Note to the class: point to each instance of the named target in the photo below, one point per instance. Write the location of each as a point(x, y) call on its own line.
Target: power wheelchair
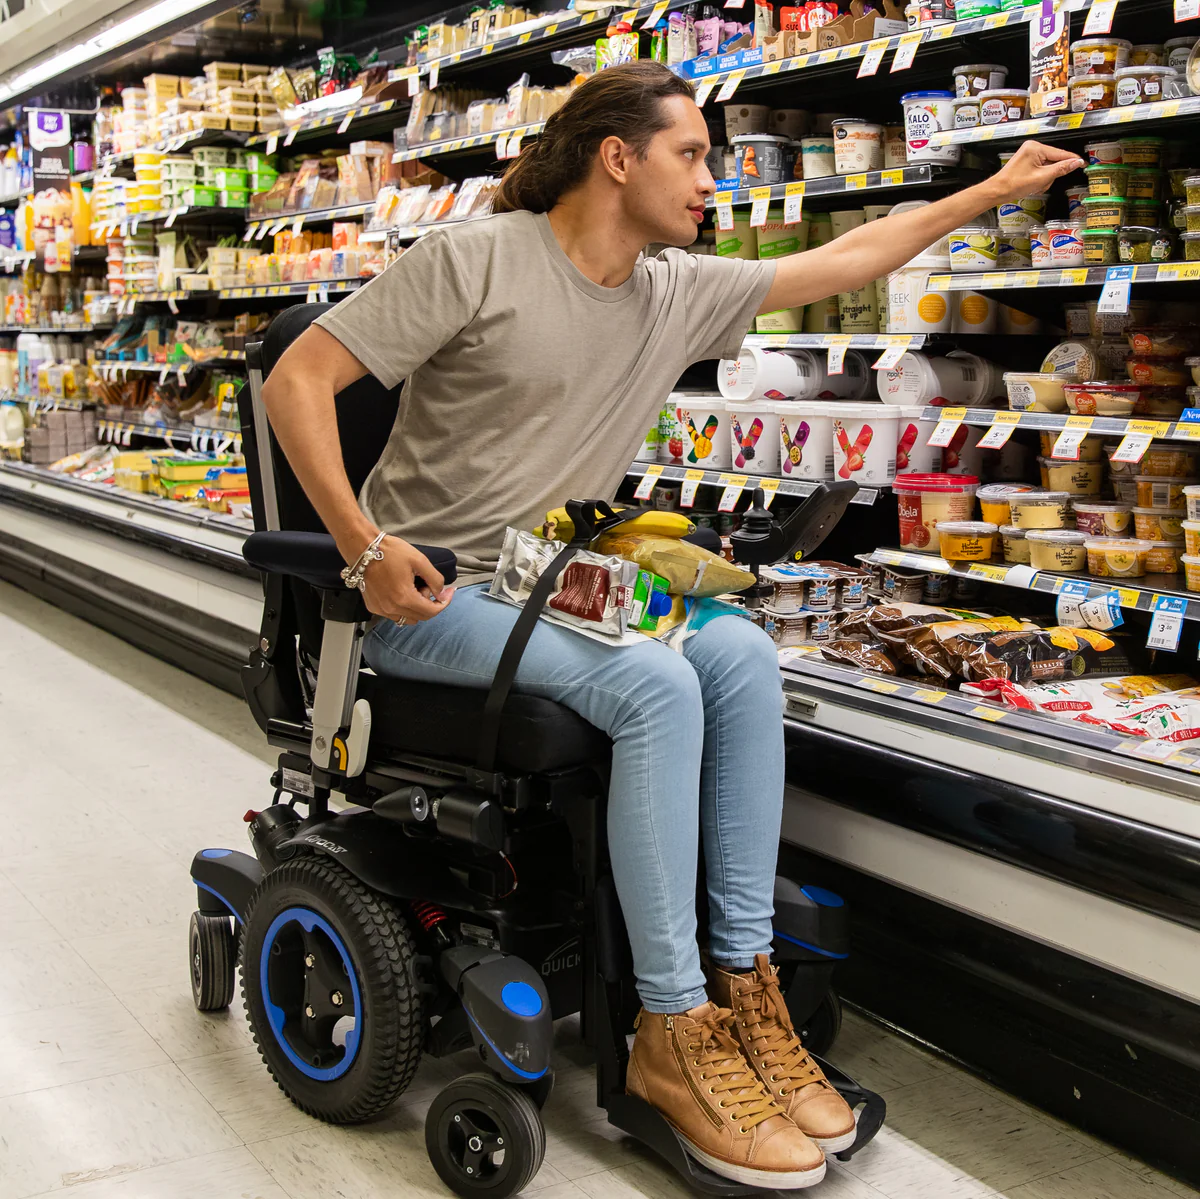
point(463, 899)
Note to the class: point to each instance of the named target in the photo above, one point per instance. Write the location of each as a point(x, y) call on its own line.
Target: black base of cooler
point(1114, 1057)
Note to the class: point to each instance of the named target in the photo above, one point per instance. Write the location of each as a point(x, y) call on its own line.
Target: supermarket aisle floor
point(112, 1087)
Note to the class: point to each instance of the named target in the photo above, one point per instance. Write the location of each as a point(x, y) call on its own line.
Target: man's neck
point(595, 241)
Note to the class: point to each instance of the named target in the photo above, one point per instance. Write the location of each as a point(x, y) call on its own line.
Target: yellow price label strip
point(1070, 120)
point(992, 714)
point(1152, 428)
point(1074, 276)
point(929, 697)
point(855, 182)
point(982, 570)
point(1187, 431)
point(995, 279)
point(958, 414)
point(881, 685)
point(1128, 597)
point(891, 178)
point(1079, 422)
point(1178, 270)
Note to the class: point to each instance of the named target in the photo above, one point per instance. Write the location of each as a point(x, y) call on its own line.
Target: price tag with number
point(514, 146)
point(1138, 435)
point(906, 51)
point(839, 343)
point(656, 14)
point(733, 489)
point(890, 358)
point(687, 493)
point(346, 121)
point(770, 488)
point(724, 206)
point(1070, 600)
point(414, 83)
point(297, 226)
point(793, 203)
point(730, 86)
point(435, 69)
point(1102, 612)
point(1186, 10)
point(1003, 424)
point(1067, 443)
point(872, 59)
point(175, 212)
point(502, 147)
point(947, 426)
point(646, 486)
point(1115, 295)
point(290, 136)
point(1167, 623)
point(704, 91)
point(272, 143)
point(1099, 18)
point(761, 198)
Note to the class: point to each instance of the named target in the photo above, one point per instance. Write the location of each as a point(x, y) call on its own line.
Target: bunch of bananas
point(558, 525)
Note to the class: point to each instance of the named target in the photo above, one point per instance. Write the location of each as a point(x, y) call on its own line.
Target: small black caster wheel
point(212, 961)
point(484, 1137)
point(822, 1027)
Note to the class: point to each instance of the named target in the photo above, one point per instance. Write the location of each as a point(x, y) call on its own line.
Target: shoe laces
point(771, 1033)
point(724, 1066)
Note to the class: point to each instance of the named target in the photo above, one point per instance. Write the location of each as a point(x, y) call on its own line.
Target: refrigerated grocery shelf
point(276, 222)
point(1118, 426)
point(168, 217)
point(453, 145)
point(1134, 594)
point(197, 137)
point(261, 291)
point(824, 341)
point(70, 330)
point(1080, 276)
point(189, 436)
point(724, 479)
point(837, 185)
point(344, 119)
point(107, 368)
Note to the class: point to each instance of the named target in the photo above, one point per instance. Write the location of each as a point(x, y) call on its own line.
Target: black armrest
point(314, 557)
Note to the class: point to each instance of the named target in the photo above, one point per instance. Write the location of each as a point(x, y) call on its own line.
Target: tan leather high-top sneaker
point(765, 1032)
point(692, 1070)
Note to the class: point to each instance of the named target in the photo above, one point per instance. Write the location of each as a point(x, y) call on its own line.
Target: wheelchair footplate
point(874, 1107)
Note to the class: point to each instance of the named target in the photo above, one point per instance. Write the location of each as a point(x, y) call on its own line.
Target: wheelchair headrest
point(284, 330)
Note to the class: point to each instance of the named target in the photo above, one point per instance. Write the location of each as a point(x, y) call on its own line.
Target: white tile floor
point(116, 769)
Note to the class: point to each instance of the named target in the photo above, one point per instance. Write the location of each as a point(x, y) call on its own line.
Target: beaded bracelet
point(354, 576)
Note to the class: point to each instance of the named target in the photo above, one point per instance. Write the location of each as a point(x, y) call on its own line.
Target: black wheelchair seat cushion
point(437, 720)
point(314, 557)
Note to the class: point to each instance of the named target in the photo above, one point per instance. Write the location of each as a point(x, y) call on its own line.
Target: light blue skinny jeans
point(697, 744)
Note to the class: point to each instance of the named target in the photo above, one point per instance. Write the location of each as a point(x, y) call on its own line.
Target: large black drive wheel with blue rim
point(327, 976)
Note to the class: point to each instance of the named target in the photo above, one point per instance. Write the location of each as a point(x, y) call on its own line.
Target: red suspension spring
point(428, 914)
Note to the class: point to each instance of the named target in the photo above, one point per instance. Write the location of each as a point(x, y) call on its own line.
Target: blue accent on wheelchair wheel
point(806, 945)
point(215, 853)
point(276, 1017)
point(528, 1075)
point(206, 887)
point(521, 999)
point(827, 899)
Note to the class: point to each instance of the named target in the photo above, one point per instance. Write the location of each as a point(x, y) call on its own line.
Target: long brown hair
point(618, 102)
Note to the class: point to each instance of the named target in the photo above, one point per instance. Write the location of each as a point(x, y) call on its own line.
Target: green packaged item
point(1141, 246)
point(234, 198)
point(1099, 247)
point(260, 163)
point(262, 182)
point(200, 197)
point(1145, 214)
point(650, 601)
point(230, 178)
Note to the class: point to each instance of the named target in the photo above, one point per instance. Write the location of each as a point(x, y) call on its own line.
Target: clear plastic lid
point(1002, 491)
point(1054, 499)
point(1013, 531)
point(1143, 72)
point(967, 528)
point(1059, 536)
point(1084, 505)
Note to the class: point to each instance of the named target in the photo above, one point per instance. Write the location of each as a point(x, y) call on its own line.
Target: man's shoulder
point(482, 235)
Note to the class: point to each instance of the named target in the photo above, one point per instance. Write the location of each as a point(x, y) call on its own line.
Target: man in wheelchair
point(534, 347)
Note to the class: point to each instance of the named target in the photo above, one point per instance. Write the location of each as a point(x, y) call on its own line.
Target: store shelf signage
point(1003, 424)
point(1166, 623)
point(50, 141)
point(687, 491)
point(945, 429)
point(646, 486)
point(1100, 17)
point(1115, 295)
point(793, 201)
point(1186, 10)
point(1066, 446)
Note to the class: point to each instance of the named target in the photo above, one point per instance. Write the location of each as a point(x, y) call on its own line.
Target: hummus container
point(1143, 183)
point(1191, 571)
point(1101, 247)
point(966, 112)
point(1042, 510)
point(1165, 461)
point(924, 501)
point(1125, 489)
point(857, 146)
point(1090, 93)
point(1161, 492)
point(1177, 180)
point(1193, 365)
point(1142, 151)
point(1191, 247)
point(1036, 391)
point(1057, 549)
point(1101, 399)
point(1107, 180)
point(1158, 372)
point(1103, 212)
point(1164, 341)
point(973, 79)
point(1016, 547)
point(995, 500)
point(1016, 216)
point(1163, 557)
point(1100, 518)
point(1141, 85)
point(1111, 558)
point(999, 106)
point(973, 248)
point(1099, 55)
point(1140, 245)
point(1065, 239)
point(1104, 152)
point(1078, 478)
point(1091, 449)
point(1039, 252)
point(1159, 524)
point(1191, 536)
point(1014, 252)
point(966, 540)
point(1166, 402)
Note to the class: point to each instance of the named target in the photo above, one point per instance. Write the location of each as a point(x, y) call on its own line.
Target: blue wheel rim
point(306, 928)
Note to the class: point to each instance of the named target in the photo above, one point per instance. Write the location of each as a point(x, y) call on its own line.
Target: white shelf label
point(1100, 17)
point(502, 147)
point(1132, 448)
point(1070, 600)
point(890, 358)
point(705, 90)
point(733, 489)
point(761, 199)
point(1067, 444)
point(945, 429)
point(414, 84)
point(1115, 295)
point(435, 69)
point(1103, 612)
point(1186, 10)
point(872, 59)
point(1003, 426)
point(290, 136)
point(793, 203)
point(1166, 624)
point(646, 486)
point(514, 146)
point(687, 492)
point(906, 51)
point(272, 143)
point(724, 206)
point(730, 86)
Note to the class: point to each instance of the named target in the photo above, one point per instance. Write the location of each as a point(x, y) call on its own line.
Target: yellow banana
point(558, 525)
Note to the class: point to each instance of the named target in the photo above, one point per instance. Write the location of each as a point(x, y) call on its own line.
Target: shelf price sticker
point(349, 117)
point(646, 486)
point(770, 489)
point(1100, 17)
point(1075, 276)
point(855, 182)
point(514, 146)
point(992, 714)
point(723, 202)
point(704, 91)
point(1067, 444)
point(947, 426)
point(656, 14)
point(687, 493)
point(1138, 435)
point(985, 570)
point(1186, 10)
point(906, 51)
point(892, 178)
point(793, 203)
point(733, 485)
point(1115, 295)
point(502, 146)
point(1070, 601)
point(760, 198)
point(890, 358)
point(1166, 623)
point(873, 59)
point(839, 343)
point(1069, 120)
point(730, 86)
point(1003, 424)
point(435, 71)
point(1175, 271)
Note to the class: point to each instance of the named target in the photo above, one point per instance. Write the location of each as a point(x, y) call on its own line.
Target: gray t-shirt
point(526, 384)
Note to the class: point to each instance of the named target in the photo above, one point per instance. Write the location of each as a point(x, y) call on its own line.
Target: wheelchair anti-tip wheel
point(212, 961)
point(484, 1137)
point(327, 975)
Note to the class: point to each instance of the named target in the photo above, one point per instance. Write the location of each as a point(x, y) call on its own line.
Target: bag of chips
point(689, 569)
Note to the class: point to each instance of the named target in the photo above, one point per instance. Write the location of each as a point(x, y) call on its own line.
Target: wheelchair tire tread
point(397, 1029)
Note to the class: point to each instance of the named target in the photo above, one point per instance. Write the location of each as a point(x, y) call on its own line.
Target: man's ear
point(614, 156)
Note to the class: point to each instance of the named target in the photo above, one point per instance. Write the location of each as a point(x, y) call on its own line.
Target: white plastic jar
point(817, 156)
point(927, 113)
point(912, 307)
point(757, 374)
point(753, 445)
point(857, 146)
point(973, 248)
point(913, 451)
point(864, 444)
point(705, 432)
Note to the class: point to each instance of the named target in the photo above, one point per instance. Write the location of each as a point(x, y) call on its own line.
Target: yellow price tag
point(793, 189)
point(1074, 276)
point(881, 685)
point(1122, 116)
point(843, 340)
point(724, 198)
point(1079, 422)
point(1006, 418)
point(1070, 120)
point(1186, 431)
point(1178, 270)
point(760, 193)
point(855, 182)
point(982, 570)
point(891, 178)
point(550, 31)
point(776, 339)
point(524, 37)
point(1128, 597)
point(1152, 428)
point(694, 475)
point(995, 20)
point(995, 279)
point(773, 67)
point(1170, 109)
point(958, 414)
point(929, 697)
point(488, 48)
point(992, 714)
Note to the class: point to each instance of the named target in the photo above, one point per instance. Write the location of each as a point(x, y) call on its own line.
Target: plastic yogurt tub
point(864, 443)
point(1141, 85)
point(927, 113)
point(1155, 491)
point(958, 379)
point(805, 436)
point(1039, 249)
point(1036, 391)
point(1117, 558)
point(1042, 510)
point(1057, 549)
point(912, 307)
point(705, 425)
point(1079, 478)
point(966, 112)
point(1016, 216)
point(1014, 252)
point(966, 540)
point(1159, 524)
point(1000, 105)
point(1191, 536)
point(1191, 495)
point(817, 156)
point(973, 248)
point(741, 119)
point(1065, 243)
point(759, 158)
point(1106, 152)
point(857, 146)
point(913, 451)
point(788, 375)
point(925, 500)
point(754, 448)
point(1099, 55)
point(1103, 518)
point(995, 500)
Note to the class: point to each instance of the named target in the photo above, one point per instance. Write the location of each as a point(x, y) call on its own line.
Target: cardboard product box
point(779, 46)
